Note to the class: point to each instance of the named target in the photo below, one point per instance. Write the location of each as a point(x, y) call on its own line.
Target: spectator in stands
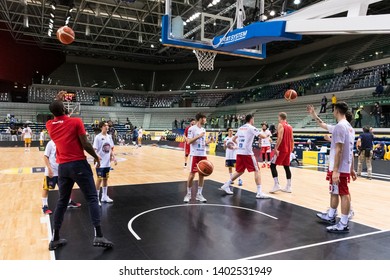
point(311, 146)
point(358, 117)
point(379, 151)
point(112, 131)
point(135, 136)
point(324, 102)
point(176, 124)
point(384, 77)
point(378, 90)
point(334, 101)
point(377, 112)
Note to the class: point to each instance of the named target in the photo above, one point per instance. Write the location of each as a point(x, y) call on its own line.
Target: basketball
point(65, 35)
point(205, 167)
point(290, 95)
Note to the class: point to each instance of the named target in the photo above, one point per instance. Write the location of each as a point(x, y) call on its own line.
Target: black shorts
point(230, 163)
point(103, 172)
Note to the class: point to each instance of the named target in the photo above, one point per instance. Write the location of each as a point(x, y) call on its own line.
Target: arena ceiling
point(120, 30)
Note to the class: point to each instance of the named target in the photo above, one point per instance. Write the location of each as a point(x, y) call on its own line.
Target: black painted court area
point(226, 227)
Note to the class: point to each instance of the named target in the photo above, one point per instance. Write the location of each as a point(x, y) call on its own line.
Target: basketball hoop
point(73, 108)
point(205, 60)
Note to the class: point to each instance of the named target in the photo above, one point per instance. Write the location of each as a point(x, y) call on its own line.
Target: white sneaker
point(200, 198)
point(187, 198)
point(107, 199)
point(226, 188)
point(287, 189)
point(100, 204)
point(276, 188)
point(338, 228)
point(325, 217)
point(261, 195)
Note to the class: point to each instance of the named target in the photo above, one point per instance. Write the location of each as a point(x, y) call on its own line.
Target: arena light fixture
point(53, 5)
point(297, 2)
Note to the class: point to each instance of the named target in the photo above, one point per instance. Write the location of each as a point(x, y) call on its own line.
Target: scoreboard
point(70, 97)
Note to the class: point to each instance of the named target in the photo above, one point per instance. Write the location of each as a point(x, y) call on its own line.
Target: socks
point(276, 180)
point(231, 175)
point(44, 201)
point(344, 219)
point(188, 190)
point(258, 188)
point(98, 231)
point(104, 192)
point(200, 189)
point(331, 212)
point(288, 182)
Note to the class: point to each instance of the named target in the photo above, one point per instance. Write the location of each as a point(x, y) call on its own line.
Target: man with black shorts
point(186, 145)
point(197, 141)
point(104, 147)
point(245, 157)
point(70, 138)
point(282, 153)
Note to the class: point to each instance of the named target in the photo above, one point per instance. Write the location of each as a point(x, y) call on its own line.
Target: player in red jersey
point(70, 138)
point(186, 145)
point(283, 149)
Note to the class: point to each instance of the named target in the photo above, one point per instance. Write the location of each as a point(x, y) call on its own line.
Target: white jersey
point(50, 152)
point(198, 147)
point(41, 136)
point(103, 145)
point(246, 134)
point(27, 132)
point(230, 153)
point(140, 133)
point(265, 142)
point(345, 134)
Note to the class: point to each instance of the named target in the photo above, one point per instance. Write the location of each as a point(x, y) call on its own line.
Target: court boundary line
point(129, 225)
point(46, 219)
point(313, 245)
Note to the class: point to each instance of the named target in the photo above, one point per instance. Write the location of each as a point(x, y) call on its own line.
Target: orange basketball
point(205, 167)
point(290, 94)
point(65, 35)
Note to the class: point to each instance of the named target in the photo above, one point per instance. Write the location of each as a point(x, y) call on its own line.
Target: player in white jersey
point(341, 167)
point(230, 153)
point(197, 140)
point(27, 135)
point(104, 147)
point(265, 144)
point(245, 156)
point(51, 177)
point(140, 132)
point(41, 137)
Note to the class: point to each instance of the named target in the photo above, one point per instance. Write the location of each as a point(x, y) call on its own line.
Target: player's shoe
point(287, 189)
point(261, 195)
point(325, 217)
point(226, 188)
point(263, 165)
point(46, 210)
point(275, 188)
point(73, 204)
point(338, 228)
point(107, 199)
point(268, 165)
point(200, 198)
point(53, 245)
point(240, 182)
point(102, 242)
point(187, 198)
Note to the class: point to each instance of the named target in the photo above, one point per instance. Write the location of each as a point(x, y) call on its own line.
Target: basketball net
point(205, 60)
point(73, 108)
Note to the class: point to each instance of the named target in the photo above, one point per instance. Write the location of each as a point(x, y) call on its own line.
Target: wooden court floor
point(23, 228)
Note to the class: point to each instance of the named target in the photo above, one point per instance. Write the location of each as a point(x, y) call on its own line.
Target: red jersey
point(186, 131)
point(285, 145)
point(65, 131)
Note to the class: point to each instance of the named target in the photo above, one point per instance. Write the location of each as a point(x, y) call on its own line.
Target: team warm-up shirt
point(345, 134)
point(103, 145)
point(285, 144)
point(198, 147)
point(245, 136)
point(50, 152)
point(27, 132)
point(65, 131)
point(265, 142)
point(230, 153)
